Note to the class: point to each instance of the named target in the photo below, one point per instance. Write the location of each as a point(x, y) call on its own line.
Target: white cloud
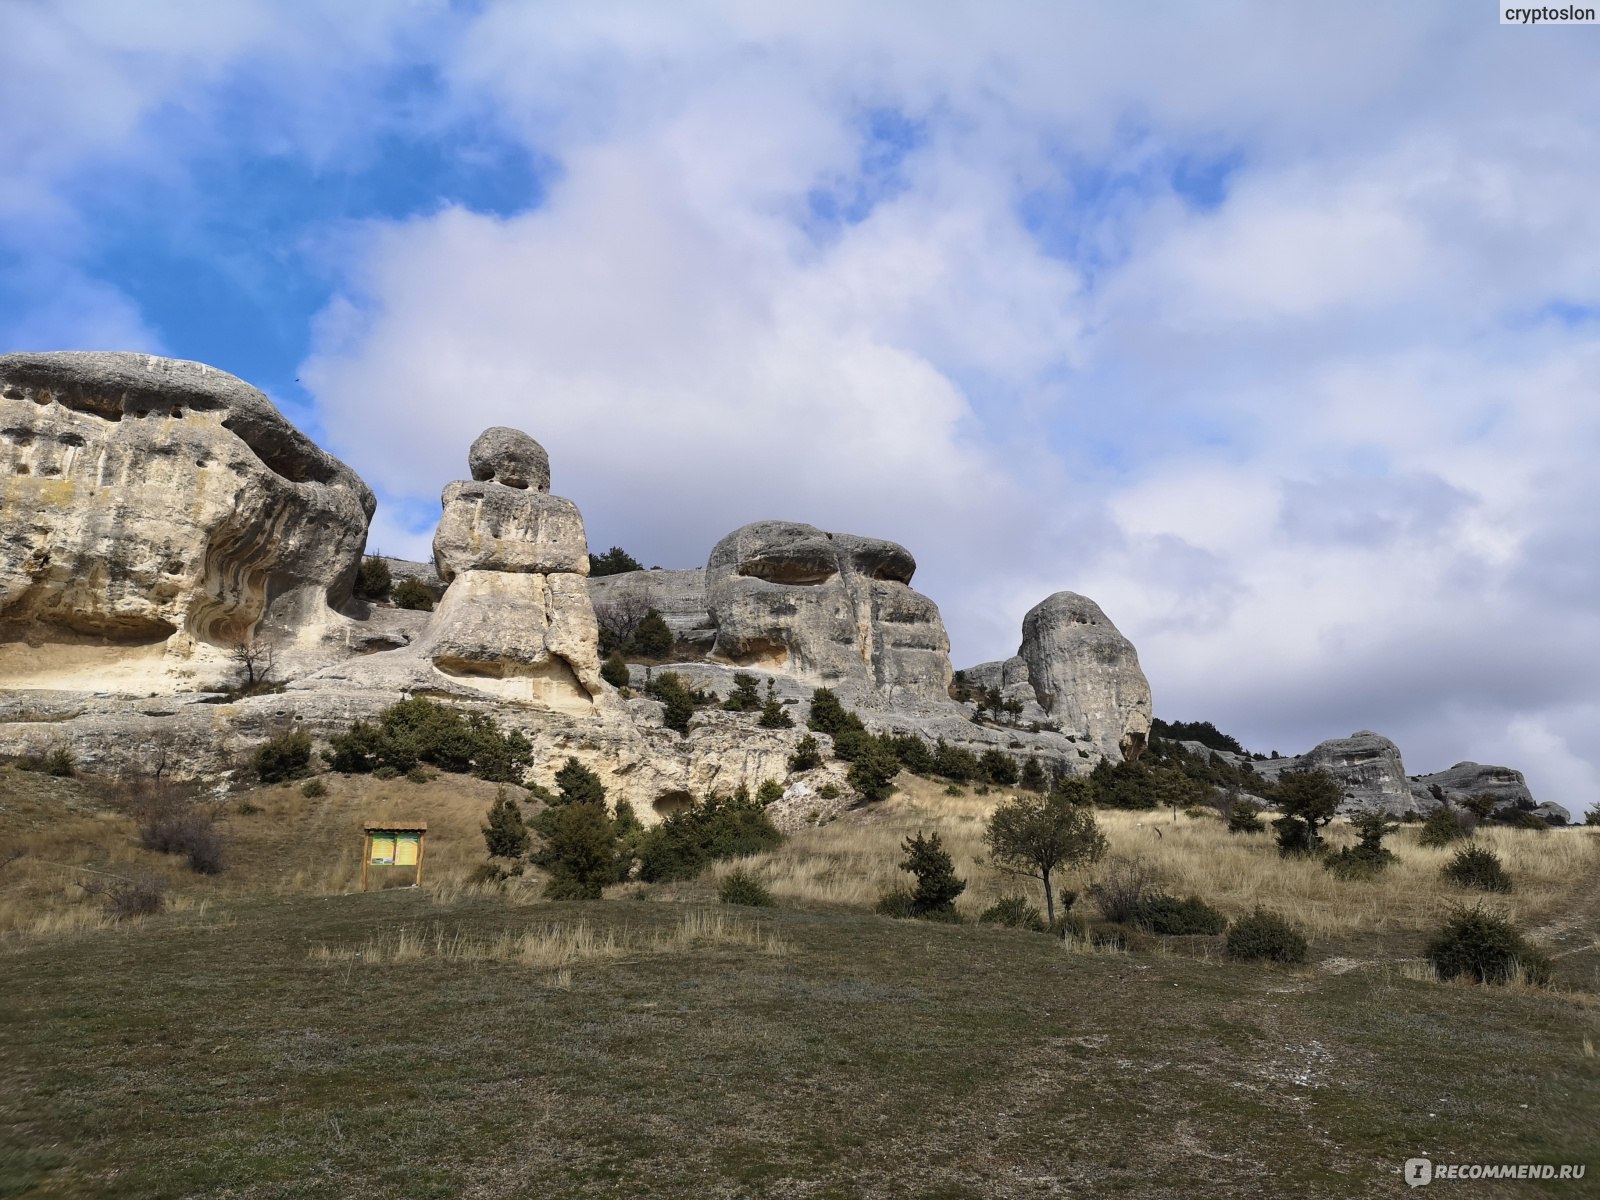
point(1319, 448)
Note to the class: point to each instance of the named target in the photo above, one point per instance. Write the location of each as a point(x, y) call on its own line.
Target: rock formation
point(832, 608)
point(1080, 671)
point(515, 620)
point(1366, 763)
point(153, 507)
point(1455, 784)
point(679, 596)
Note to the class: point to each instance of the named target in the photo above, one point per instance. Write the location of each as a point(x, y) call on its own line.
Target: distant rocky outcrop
point(833, 608)
point(1374, 776)
point(1367, 764)
point(153, 509)
point(516, 618)
point(1079, 670)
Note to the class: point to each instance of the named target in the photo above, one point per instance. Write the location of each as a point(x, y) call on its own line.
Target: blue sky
point(1272, 329)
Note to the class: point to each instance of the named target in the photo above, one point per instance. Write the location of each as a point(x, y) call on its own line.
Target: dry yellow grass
point(553, 946)
point(854, 860)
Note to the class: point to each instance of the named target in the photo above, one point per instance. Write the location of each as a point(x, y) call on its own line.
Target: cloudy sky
point(1274, 328)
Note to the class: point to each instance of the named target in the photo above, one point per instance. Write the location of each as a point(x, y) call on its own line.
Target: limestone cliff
point(153, 507)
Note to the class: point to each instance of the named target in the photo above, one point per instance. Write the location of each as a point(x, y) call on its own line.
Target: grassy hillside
point(275, 1037)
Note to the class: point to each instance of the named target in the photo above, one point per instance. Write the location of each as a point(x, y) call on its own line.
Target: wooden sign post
point(394, 844)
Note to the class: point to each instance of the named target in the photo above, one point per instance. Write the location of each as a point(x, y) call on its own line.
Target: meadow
point(273, 1033)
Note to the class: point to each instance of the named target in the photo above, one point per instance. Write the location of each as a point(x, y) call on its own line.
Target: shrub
point(1481, 946)
point(1444, 825)
point(1014, 911)
point(579, 850)
point(807, 754)
point(387, 772)
point(287, 756)
point(828, 791)
point(1477, 867)
point(773, 714)
point(172, 824)
point(937, 884)
point(419, 774)
point(412, 594)
point(677, 701)
point(59, 761)
point(998, 767)
point(1245, 817)
point(955, 763)
point(741, 887)
point(872, 774)
point(141, 896)
point(830, 717)
point(614, 671)
point(1164, 914)
point(692, 838)
point(313, 789)
point(1121, 890)
point(1032, 778)
point(577, 784)
point(418, 730)
point(1368, 856)
point(896, 903)
point(770, 792)
point(506, 834)
point(914, 753)
point(1265, 935)
point(1594, 816)
point(653, 638)
point(744, 697)
point(373, 579)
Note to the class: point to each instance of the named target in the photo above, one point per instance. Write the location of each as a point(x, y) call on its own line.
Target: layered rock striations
point(515, 619)
point(832, 608)
point(152, 507)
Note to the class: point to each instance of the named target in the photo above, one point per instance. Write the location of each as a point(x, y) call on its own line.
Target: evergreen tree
point(653, 638)
point(373, 579)
point(807, 754)
point(829, 716)
point(579, 850)
point(577, 784)
point(614, 561)
point(744, 697)
point(937, 884)
point(773, 714)
point(1308, 800)
point(676, 699)
point(1032, 778)
point(614, 671)
point(506, 834)
point(999, 767)
point(873, 771)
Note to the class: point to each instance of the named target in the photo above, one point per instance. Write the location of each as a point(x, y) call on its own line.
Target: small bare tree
point(255, 657)
point(619, 618)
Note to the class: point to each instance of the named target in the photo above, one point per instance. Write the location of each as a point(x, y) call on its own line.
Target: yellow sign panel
point(405, 849)
point(383, 849)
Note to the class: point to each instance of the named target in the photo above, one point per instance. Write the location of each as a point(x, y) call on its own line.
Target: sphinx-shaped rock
point(516, 620)
point(830, 607)
point(151, 506)
point(1086, 675)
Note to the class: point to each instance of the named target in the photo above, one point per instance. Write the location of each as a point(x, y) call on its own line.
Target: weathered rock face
point(151, 506)
point(511, 457)
point(1508, 787)
point(516, 620)
point(1086, 675)
point(832, 608)
point(1367, 764)
point(679, 596)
